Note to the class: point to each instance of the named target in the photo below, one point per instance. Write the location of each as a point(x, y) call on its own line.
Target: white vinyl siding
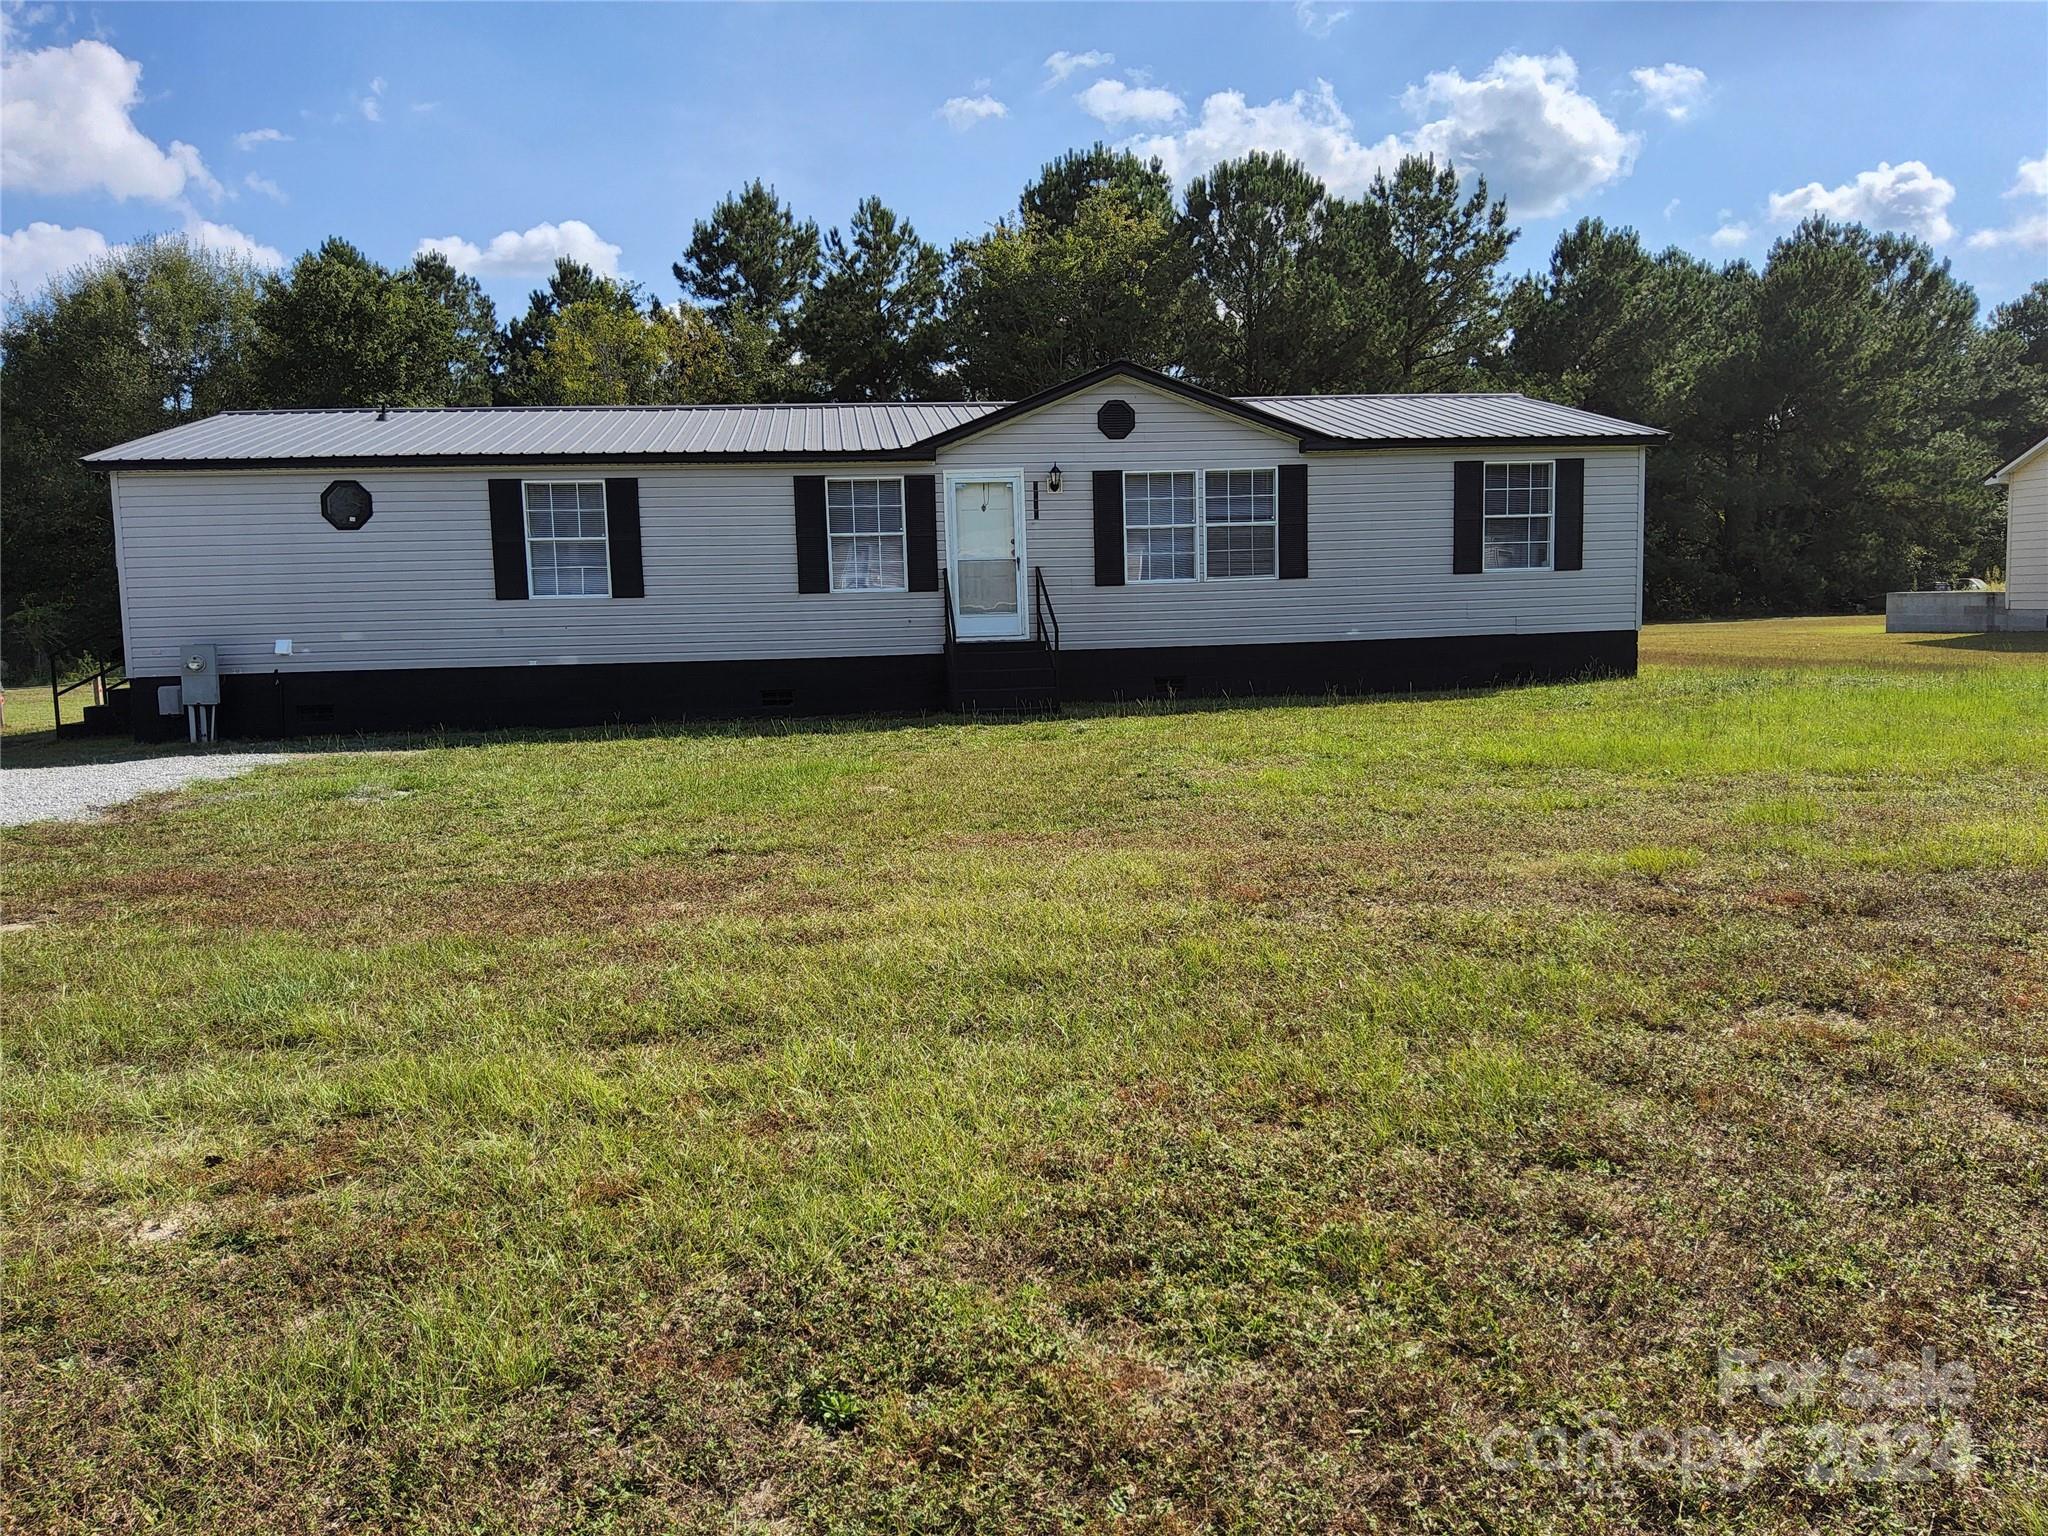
point(2026, 537)
point(243, 558)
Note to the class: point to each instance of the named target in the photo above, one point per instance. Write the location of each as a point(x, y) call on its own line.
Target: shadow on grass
point(838, 725)
point(2022, 640)
point(44, 749)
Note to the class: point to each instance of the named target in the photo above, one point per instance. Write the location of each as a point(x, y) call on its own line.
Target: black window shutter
point(1468, 517)
point(1109, 528)
point(813, 559)
point(622, 527)
point(508, 539)
point(921, 531)
point(1569, 552)
point(1293, 521)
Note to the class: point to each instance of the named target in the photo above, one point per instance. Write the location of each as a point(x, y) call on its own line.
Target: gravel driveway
point(76, 793)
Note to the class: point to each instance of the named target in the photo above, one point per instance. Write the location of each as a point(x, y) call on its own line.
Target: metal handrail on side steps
point(1043, 615)
point(96, 681)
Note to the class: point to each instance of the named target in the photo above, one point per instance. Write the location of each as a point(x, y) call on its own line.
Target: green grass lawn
point(1163, 1120)
point(1851, 641)
point(30, 712)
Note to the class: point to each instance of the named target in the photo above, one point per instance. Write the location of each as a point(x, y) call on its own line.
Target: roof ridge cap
point(709, 405)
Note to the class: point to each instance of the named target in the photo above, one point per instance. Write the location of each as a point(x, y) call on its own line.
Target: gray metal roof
point(666, 434)
point(484, 434)
point(1439, 418)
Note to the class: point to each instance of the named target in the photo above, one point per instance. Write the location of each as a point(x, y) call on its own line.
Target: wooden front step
point(1003, 677)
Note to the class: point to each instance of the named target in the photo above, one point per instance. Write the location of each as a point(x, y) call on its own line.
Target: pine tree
point(1293, 308)
point(1439, 259)
point(870, 328)
point(750, 266)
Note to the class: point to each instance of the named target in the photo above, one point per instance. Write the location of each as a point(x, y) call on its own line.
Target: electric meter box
point(199, 676)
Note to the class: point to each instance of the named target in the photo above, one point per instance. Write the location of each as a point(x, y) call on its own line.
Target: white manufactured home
point(2024, 602)
point(1124, 534)
point(2026, 538)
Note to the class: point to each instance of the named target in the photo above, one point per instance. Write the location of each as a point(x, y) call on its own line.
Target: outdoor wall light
point(1052, 479)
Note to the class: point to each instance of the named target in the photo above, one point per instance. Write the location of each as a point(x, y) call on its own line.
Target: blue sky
point(507, 134)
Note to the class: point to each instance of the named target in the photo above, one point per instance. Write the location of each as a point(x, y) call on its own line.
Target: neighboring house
point(2024, 602)
point(2026, 537)
point(1124, 534)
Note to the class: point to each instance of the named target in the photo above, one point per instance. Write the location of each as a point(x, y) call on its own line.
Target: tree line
point(1833, 411)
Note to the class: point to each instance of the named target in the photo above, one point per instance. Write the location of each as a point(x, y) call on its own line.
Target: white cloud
point(264, 185)
point(15, 17)
point(1113, 101)
point(963, 112)
point(1317, 18)
point(1525, 125)
point(1906, 197)
point(257, 136)
point(1729, 236)
point(30, 257)
point(2029, 234)
point(1522, 124)
point(1309, 127)
point(528, 253)
point(1671, 207)
point(230, 241)
point(1676, 90)
point(1062, 64)
point(371, 102)
point(2030, 230)
point(65, 127)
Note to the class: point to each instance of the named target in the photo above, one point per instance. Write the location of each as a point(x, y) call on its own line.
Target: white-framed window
point(1160, 518)
point(1241, 523)
point(864, 521)
point(568, 552)
point(1518, 514)
point(1207, 525)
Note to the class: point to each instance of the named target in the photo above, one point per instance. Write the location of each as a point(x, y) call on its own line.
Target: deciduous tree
point(339, 329)
point(1035, 301)
point(157, 333)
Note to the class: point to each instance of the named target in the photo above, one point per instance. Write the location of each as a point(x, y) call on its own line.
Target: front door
point(985, 544)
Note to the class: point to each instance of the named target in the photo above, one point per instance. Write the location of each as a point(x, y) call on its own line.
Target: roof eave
point(911, 455)
point(2004, 476)
point(1321, 444)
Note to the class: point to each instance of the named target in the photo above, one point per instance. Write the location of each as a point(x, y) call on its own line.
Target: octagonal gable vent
point(345, 504)
point(1116, 418)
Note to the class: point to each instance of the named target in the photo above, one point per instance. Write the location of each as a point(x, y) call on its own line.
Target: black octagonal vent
point(345, 504)
point(1116, 418)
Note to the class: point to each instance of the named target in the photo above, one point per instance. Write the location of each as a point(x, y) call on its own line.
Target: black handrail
point(119, 664)
point(1042, 609)
point(946, 602)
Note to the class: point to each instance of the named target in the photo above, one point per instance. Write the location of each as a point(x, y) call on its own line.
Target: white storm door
point(985, 556)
